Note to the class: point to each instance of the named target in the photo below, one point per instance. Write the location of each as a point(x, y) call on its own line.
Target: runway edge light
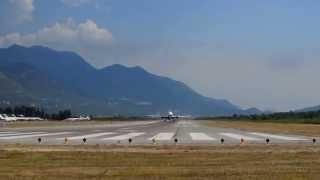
point(267, 140)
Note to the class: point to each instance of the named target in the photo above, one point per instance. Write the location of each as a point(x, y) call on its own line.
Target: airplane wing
point(165, 117)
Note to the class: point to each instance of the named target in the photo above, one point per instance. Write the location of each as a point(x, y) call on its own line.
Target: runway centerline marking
point(162, 136)
point(124, 137)
point(279, 137)
point(239, 136)
point(201, 137)
point(88, 136)
point(33, 135)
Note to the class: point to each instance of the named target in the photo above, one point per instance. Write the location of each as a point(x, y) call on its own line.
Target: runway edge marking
point(33, 135)
point(196, 136)
point(240, 136)
point(21, 133)
point(162, 136)
point(124, 136)
point(288, 138)
point(87, 136)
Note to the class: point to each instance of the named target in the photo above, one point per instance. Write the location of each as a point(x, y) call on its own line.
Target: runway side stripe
point(201, 137)
point(239, 136)
point(279, 137)
point(88, 136)
point(18, 134)
point(33, 135)
point(7, 132)
point(124, 137)
point(162, 136)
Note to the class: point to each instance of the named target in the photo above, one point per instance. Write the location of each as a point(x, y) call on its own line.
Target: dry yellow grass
point(160, 162)
point(290, 128)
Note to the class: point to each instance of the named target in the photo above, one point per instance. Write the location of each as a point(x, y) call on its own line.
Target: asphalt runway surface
point(144, 132)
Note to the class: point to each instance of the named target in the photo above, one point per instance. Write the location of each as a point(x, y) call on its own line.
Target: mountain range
point(55, 80)
point(308, 109)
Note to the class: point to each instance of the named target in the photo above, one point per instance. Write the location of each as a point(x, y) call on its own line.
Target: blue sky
point(253, 53)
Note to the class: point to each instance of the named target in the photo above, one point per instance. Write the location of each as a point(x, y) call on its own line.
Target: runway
point(145, 132)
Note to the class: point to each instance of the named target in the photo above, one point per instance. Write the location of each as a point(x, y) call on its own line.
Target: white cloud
point(87, 39)
point(75, 3)
point(66, 36)
point(23, 10)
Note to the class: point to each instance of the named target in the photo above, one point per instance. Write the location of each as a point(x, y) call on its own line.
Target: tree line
point(29, 111)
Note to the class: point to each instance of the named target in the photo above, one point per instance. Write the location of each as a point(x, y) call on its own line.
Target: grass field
point(272, 127)
point(160, 162)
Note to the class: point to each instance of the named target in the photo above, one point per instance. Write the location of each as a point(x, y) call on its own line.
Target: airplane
point(24, 118)
point(1, 117)
point(13, 117)
point(172, 117)
point(8, 118)
point(80, 118)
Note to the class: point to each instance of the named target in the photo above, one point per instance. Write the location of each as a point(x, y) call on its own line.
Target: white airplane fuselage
point(170, 117)
point(18, 118)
